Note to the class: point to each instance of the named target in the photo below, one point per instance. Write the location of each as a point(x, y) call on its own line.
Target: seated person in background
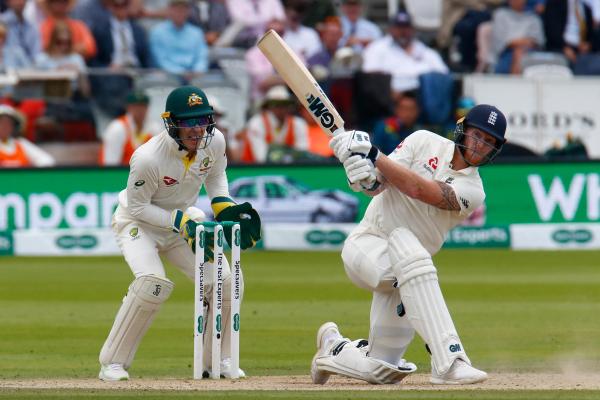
point(251, 18)
point(121, 41)
point(316, 11)
point(331, 33)
point(14, 150)
point(11, 57)
point(302, 39)
point(275, 125)
point(390, 132)
point(21, 33)
point(515, 32)
point(402, 56)
point(262, 74)
point(126, 133)
point(58, 11)
point(569, 27)
point(358, 31)
point(177, 46)
point(60, 54)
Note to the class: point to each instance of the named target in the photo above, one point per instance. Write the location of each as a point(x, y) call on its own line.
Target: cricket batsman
point(426, 186)
point(155, 218)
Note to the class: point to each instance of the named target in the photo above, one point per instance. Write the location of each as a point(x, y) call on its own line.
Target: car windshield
point(302, 188)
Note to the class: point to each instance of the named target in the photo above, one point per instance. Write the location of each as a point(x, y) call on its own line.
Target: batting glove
point(361, 174)
point(349, 143)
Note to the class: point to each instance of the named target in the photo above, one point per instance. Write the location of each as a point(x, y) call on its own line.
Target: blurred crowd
point(387, 76)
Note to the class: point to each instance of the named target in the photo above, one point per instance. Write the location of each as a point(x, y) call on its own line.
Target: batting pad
point(143, 300)
point(423, 300)
point(352, 361)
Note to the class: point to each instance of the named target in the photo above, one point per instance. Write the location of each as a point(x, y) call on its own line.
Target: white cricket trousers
point(367, 264)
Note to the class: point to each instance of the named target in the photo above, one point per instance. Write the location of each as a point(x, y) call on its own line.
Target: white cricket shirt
point(161, 180)
point(429, 155)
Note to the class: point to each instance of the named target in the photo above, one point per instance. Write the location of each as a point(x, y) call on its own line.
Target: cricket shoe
point(113, 373)
point(460, 373)
point(225, 370)
point(327, 335)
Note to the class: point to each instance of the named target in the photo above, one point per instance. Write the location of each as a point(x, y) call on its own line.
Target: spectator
point(569, 27)
point(275, 126)
point(120, 40)
point(11, 57)
point(177, 46)
point(126, 133)
point(460, 24)
point(316, 11)
point(61, 55)
point(262, 74)
point(389, 132)
point(72, 119)
point(214, 19)
point(16, 151)
point(331, 33)
point(91, 12)
point(21, 33)
point(251, 17)
point(515, 32)
point(35, 12)
point(303, 40)
point(358, 31)
point(58, 11)
point(318, 140)
point(402, 56)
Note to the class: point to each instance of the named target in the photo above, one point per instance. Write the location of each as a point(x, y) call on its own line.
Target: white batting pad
point(143, 300)
point(423, 300)
point(352, 361)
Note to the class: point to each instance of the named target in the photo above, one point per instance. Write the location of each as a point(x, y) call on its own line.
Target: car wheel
point(321, 216)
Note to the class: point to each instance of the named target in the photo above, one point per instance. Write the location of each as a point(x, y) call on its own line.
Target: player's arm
point(435, 193)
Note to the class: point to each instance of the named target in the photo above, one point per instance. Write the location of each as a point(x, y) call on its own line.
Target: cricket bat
point(300, 80)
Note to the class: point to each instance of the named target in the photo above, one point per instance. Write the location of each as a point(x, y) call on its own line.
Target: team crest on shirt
point(170, 181)
point(194, 100)
point(205, 165)
point(134, 233)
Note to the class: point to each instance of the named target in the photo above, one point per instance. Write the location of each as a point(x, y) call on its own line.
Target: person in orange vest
point(15, 151)
point(124, 134)
point(277, 125)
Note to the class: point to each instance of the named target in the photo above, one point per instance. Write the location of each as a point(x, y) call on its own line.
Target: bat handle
point(338, 131)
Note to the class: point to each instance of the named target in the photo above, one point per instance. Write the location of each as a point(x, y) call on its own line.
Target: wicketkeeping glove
point(249, 223)
point(185, 224)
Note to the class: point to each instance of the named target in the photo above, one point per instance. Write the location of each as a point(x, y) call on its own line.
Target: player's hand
point(350, 143)
point(361, 174)
point(209, 254)
point(183, 224)
point(249, 223)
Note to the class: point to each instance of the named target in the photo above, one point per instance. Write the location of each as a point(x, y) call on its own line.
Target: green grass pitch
point(515, 311)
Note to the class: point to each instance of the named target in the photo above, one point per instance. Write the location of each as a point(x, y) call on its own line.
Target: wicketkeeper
point(426, 186)
point(155, 218)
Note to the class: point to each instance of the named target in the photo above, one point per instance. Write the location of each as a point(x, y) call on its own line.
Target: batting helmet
point(487, 118)
point(188, 106)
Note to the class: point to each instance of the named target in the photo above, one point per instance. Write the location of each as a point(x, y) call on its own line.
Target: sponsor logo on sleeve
point(140, 183)
point(431, 165)
point(465, 202)
point(170, 181)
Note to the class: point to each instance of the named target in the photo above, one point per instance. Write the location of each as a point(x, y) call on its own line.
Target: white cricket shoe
point(326, 336)
point(225, 370)
point(113, 372)
point(460, 373)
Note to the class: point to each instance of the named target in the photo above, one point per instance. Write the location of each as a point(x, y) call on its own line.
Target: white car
point(278, 198)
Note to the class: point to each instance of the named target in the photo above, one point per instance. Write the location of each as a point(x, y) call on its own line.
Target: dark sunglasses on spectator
point(193, 122)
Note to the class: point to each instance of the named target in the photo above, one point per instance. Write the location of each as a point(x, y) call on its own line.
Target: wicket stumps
point(217, 298)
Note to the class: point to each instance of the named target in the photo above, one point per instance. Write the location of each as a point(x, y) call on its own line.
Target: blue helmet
point(487, 118)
